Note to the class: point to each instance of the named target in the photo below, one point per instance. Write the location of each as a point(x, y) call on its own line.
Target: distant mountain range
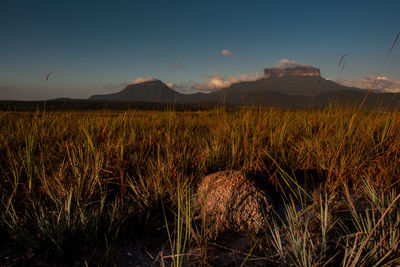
point(298, 86)
point(282, 88)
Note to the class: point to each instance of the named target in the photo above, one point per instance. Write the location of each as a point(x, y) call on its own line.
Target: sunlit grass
point(72, 182)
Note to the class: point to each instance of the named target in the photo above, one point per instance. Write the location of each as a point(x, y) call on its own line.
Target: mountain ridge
point(288, 86)
point(246, 92)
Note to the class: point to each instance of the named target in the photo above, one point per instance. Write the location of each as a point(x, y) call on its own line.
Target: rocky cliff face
point(300, 71)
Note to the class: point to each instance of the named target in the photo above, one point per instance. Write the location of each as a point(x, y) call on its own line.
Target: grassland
point(80, 188)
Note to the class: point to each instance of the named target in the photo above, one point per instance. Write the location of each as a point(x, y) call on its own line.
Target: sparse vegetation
point(85, 188)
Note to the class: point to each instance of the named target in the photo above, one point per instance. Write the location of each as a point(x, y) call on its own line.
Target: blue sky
point(98, 46)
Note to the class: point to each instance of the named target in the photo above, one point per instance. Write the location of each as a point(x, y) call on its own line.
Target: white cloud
point(170, 85)
point(175, 85)
point(216, 81)
point(228, 53)
point(178, 86)
point(141, 80)
point(287, 64)
point(380, 83)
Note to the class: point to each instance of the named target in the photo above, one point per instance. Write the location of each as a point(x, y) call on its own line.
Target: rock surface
point(299, 71)
point(231, 200)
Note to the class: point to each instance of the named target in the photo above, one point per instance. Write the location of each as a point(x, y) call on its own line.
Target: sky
point(97, 47)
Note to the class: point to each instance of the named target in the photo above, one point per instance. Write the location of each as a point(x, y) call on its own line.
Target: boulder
point(232, 200)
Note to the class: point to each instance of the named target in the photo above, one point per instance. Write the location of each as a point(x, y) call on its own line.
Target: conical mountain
point(150, 91)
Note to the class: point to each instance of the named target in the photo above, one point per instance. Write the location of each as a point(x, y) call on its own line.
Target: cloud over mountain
point(216, 81)
point(177, 85)
point(381, 83)
point(118, 86)
point(287, 64)
point(141, 80)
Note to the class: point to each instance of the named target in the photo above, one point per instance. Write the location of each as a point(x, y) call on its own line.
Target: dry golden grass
point(74, 184)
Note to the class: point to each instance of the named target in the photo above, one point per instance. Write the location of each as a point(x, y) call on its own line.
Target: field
point(105, 188)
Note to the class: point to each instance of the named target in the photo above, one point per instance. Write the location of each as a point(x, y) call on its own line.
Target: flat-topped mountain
point(290, 85)
point(285, 90)
point(298, 71)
